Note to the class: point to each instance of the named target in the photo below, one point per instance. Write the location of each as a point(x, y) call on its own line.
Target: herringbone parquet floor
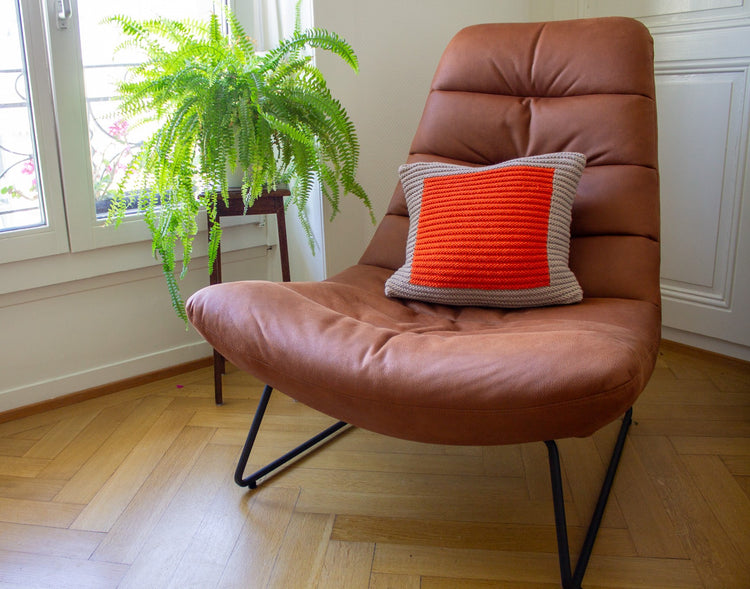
point(134, 489)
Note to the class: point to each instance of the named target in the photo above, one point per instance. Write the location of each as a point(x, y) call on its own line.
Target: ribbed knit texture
point(495, 236)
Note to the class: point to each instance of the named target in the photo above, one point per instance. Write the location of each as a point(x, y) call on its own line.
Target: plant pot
point(234, 176)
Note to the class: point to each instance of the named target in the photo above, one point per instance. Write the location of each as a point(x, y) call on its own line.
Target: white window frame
point(52, 238)
point(75, 244)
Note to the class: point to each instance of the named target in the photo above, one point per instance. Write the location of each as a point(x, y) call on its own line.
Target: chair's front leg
point(252, 481)
point(574, 580)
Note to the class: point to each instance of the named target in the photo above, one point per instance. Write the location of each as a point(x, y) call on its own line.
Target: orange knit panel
point(485, 230)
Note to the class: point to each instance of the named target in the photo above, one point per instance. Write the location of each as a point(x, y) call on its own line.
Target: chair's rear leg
point(574, 580)
point(251, 481)
point(569, 580)
point(561, 526)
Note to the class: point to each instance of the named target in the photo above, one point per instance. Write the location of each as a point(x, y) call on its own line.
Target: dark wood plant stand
point(268, 203)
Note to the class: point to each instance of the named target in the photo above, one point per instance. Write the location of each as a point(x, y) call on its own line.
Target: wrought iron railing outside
point(111, 150)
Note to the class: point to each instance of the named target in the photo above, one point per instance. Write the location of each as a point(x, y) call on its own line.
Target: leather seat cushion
point(435, 373)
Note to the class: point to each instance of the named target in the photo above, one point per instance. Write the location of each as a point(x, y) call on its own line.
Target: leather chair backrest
point(503, 91)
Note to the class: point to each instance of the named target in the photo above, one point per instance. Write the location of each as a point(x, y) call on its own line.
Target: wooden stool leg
point(268, 203)
point(283, 247)
point(219, 364)
point(219, 369)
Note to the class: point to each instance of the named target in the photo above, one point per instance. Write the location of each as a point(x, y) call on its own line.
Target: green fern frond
point(216, 102)
point(313, 38)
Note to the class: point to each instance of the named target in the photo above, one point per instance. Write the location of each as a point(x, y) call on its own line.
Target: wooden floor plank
point(39, 571)
point(720, 445)
point(59, 436)
point(725, 497)
point(416, 484)
point(691, 427)
point(701, 534)
point(687, 411)
point(503, 461)
point(216, 517)
point(266, 522)
point(27, 431)
point(38, 513)
point(21, 466)
point(388, 463)
point(536, 472)
point(673, 391)
point(452, 508)
point(34, 489)
point(388, 581)
point(648, 522)
point(447, 583)
point(48, 541)
point(472, 535)
point(111, 500)
point(71, 458)
point(531, 567)
point(133, 528)
point(176, 553)
point(35, 426)
point(465, 564)
point(87, 482)
point(14, 447)
point(149, 471)
point(585, 470)
point(737, 465)
point(346, 564)
point(299, 561)
point(654, 573)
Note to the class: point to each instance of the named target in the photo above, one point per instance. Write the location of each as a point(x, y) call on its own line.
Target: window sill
point(16, 277)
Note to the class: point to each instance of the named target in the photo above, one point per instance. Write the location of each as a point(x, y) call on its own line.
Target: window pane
point(21, 204)
point(115, 140)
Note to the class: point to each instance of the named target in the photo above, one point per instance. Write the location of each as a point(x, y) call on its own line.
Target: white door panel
point(700, 124)
point(702, 65)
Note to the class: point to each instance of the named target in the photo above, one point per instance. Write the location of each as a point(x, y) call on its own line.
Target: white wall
point(542, 10)
point(398, 44)
point(64, 338)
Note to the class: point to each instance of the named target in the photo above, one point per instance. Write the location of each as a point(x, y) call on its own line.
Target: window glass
point(21, 201)
point(114, 140)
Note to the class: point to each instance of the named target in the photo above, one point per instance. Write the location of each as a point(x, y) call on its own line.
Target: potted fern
point(218, 105)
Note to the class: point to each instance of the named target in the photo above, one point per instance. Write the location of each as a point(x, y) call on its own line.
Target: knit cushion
point(494, 236)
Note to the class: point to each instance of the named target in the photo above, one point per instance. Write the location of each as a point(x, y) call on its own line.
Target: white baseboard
point(101, 375)
point(703, 342)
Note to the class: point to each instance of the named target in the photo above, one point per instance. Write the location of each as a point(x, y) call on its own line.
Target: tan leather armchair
point(475, 375)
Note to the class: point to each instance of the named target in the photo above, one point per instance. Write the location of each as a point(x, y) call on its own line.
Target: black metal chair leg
point(561, 526)
point(570, 580)
point(574, 580)
point(252, 481)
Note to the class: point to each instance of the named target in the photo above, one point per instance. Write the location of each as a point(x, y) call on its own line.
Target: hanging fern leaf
point(217, 104)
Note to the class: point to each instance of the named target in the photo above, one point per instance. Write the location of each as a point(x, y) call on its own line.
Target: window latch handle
point(63, 13)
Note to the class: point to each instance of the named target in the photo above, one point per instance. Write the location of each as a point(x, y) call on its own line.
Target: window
point(62, 145)
point(86, 68)
point(21, 205)
point(32, 219)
